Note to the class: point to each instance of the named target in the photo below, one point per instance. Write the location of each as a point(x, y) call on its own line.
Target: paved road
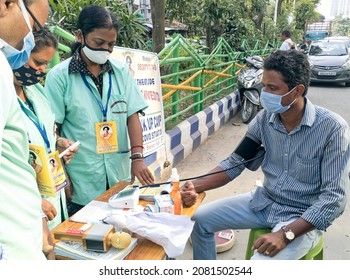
point(223, 142)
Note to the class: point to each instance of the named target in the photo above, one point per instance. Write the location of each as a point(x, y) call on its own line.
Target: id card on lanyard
point(106, 132)
point(106, 137)
point(41, 158)
point(49, 171)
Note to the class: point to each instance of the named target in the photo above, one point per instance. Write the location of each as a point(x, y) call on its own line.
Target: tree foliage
point(235, 20)
point(341, 26)
point(305, 10)
point(294, 17)
point(131, 33)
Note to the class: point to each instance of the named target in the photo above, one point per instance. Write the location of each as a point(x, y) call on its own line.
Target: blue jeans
point(234, 213)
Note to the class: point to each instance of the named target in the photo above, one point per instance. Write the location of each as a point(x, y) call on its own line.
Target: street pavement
point(216, 148)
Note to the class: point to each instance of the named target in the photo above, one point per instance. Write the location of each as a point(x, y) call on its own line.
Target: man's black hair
point(286, 33)
point(292, 65)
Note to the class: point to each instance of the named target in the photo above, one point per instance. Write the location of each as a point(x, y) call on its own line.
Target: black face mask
point(28, 76)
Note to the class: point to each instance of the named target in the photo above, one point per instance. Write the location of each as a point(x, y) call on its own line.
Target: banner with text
point(144, 66)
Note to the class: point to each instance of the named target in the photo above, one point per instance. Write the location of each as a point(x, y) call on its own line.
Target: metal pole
point(275, 14)
point(294, 11)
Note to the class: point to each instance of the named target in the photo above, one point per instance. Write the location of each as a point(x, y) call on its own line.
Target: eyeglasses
point(41, 30)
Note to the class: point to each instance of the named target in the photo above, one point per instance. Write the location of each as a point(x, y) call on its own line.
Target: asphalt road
point(224, 141)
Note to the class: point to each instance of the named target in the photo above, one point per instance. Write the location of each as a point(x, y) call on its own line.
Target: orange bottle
point(175, 192)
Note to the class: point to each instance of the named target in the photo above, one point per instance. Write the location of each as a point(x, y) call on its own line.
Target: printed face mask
point(17, 58)
point(28, 76)
point(99, 56)
point(273, 102)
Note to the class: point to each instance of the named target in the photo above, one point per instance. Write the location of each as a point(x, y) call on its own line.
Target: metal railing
point(191, 80)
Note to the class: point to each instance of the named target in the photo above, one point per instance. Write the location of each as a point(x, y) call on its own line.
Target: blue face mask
point(273, 102)
point(17, 58)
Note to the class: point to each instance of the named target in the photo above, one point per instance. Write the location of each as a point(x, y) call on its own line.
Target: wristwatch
point(289, 234)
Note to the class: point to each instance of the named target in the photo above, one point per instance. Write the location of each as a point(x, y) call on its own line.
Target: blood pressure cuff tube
point(250, 151)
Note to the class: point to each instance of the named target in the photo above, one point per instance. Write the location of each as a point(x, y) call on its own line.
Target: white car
point(344, 39)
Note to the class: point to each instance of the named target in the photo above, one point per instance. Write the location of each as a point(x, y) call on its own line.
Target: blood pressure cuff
point(251, 152)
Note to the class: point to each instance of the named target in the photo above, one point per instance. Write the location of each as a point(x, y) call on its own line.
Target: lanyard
point(103, 109)
point(41, 129)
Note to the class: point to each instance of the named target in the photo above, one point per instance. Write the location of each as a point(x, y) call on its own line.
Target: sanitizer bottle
point(175, 192)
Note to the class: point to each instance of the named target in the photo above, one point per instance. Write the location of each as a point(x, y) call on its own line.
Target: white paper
point(167, 230)
point(96, 211)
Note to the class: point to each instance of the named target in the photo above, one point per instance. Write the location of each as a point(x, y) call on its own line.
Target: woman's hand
point(64, 143)
point(140, 170)
point(48, 209)
point(48, 245)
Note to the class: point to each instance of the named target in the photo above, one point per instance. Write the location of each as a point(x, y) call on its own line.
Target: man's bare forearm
point(211, 181)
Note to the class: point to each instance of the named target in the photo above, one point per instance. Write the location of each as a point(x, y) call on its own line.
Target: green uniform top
point(76, 108)
point(45, 118)
point(20, 201)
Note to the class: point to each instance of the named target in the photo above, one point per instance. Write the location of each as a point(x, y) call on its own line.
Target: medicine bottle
point(175, 192)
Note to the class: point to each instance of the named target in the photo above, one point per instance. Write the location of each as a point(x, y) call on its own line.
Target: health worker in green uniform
point(40, 120)
point(21, 222)
point(89, 92)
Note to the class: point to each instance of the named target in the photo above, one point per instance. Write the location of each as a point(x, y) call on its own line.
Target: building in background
point(340, 7)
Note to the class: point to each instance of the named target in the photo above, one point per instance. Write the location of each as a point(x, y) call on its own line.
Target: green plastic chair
point(315, 253)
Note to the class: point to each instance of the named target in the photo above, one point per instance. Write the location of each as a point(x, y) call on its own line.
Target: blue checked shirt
point(306, 170)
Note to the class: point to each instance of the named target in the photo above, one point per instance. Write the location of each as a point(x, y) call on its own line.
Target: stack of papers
point(74, 250)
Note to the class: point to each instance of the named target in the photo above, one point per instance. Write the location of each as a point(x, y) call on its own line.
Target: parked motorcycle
point(249, 87)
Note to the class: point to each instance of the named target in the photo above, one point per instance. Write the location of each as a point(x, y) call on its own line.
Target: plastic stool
point(254, 234)
point(315, 253)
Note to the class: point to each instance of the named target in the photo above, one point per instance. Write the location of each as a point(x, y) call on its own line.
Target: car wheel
point(347, 84)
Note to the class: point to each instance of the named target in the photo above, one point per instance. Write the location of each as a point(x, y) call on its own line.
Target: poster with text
point(144, 67)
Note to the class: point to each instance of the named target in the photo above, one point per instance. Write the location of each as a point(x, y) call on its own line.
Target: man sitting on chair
point(306, 168)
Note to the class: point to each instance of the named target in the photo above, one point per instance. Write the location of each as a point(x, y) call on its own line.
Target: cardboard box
point(71, 232)
point(164, 203)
